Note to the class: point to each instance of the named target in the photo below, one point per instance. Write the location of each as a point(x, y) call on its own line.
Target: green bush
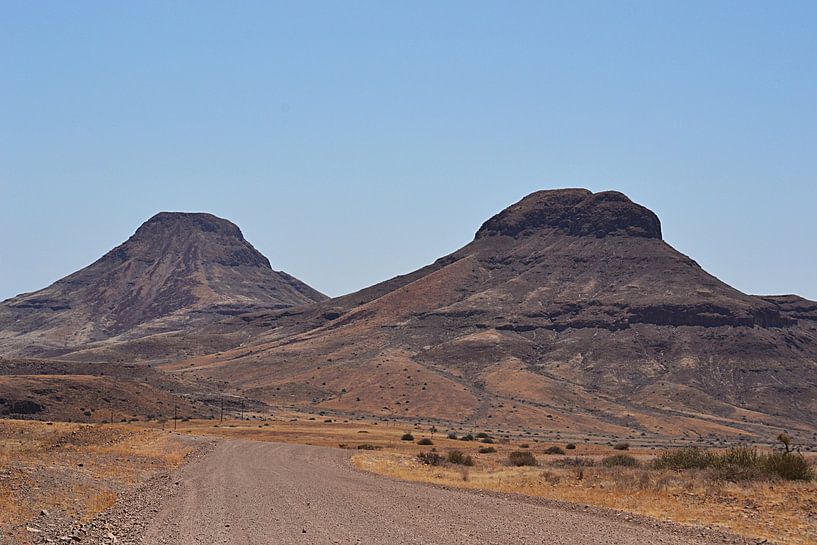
point(619, 460)
point(460, 458)
point(789, 466)
point(738, 464)
point(519, 458)
point(684, 458)
point(407, 437)
point(554, 450)
point(425, 441)
point(468, 437)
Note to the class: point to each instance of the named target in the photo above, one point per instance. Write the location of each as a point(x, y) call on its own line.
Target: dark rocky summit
point(577, 212)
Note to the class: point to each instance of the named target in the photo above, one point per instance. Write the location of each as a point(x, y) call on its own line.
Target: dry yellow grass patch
point(785, 512)
point(75, 469)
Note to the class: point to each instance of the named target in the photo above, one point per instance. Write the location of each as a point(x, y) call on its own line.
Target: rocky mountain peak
point(169, 222)
point(193, 236)
point(576, 212)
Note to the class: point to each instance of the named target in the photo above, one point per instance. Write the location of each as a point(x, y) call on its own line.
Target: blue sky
point(353, 141)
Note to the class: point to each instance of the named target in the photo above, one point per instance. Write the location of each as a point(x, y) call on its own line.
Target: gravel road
point(247, 493)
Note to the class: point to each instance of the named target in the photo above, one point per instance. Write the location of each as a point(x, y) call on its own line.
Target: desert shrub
point(524, 445)
point(468, 437)
point(621, 446)
point(486, 450)
point(684, 458)
point(487, 441)
point(452, 435)
point(482, 435)
point(738, 464)
point(576, 461)
point(460, 458)
point(519, 458)
point(570, 446)
point(430, 458)
point(367, 446)
point(554, 450)
point(407, 437)
point(792, 467)
point(619, 460)
point(425, 441)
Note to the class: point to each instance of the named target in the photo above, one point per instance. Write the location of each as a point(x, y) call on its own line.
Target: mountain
point(177, 272)
point(567, 312)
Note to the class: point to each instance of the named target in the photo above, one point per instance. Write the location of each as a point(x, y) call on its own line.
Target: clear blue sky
point(353, 141)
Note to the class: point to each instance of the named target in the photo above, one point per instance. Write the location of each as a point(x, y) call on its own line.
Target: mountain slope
point(178, 270)
point(568, 311)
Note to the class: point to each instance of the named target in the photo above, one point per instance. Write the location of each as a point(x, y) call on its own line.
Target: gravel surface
point(247, 493)
point(258, 493)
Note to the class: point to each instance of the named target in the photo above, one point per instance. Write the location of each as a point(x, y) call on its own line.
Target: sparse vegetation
point(621, 446)
point(460, 458)
point(452, 435)
point(619, 460)
point(576, 461)
point(407, 437)
point(738, 464)
point(570, 446)
point(425, 441)
point(367, 446)
point(520, 458)
point(554, 450)
point(486, 450)
point(430, 458)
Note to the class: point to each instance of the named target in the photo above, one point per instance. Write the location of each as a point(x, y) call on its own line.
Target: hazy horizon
point(354, 143)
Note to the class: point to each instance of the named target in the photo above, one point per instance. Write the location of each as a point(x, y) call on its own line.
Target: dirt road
point(248, 493)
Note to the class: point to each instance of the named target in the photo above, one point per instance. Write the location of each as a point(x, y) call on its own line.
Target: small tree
point(785, 438)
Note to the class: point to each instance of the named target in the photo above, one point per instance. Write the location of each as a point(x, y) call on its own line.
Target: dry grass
point(74, 470)
point(784, 512)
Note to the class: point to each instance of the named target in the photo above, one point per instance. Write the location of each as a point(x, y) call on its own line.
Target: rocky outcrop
point(576, 212)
